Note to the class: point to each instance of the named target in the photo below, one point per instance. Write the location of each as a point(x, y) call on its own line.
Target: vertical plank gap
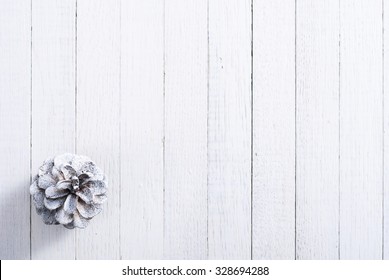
point(30, 124)
point(75, 107)
point(208, 71)
point(295, 129)
point(164, 125)
point(120, 129)
point(383, 132)
point(252, 127)
point(339, 65)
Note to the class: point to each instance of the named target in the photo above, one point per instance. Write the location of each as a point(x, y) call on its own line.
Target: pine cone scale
point(53, 192)
point(86, 195)
point(53, 204)
point(62, 217)
point(99, 199)
point(45, 181)
point(64, 185)
point(70, 204)
point(88, 210)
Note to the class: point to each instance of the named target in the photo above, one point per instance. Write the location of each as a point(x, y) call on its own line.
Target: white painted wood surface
point(273, 130)
point(15, 83)
point(317, 129)
point(361, 130)
point(228, 129)
point(185, 125)
point(385, 87)
point(142, 129)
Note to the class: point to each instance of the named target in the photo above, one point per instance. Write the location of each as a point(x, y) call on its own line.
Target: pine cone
point(68, 190)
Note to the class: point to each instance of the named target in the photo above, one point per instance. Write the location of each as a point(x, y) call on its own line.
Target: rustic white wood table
point(229, 129)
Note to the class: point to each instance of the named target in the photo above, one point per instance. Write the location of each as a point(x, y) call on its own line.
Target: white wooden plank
point(185, 228)
point(273, 130)
point(15, 81)
point(142, 117)
point(53, 109)
point(361, 129)
point(386, 129)
point(98, 102)
point(317, 129)
point(229, 130)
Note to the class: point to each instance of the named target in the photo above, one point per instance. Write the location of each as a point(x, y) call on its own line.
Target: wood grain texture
point(361, 130)
point(98, 103)
point(53, 109)
point(15, 81)
point(273, 130)
point(142, 117)
point(229, 130)
point(185, 203)
point(317, 129)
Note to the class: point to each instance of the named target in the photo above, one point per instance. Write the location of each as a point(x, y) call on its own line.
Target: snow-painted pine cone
point(69, 190)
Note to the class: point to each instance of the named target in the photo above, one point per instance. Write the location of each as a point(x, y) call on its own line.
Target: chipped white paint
point(227, 129)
